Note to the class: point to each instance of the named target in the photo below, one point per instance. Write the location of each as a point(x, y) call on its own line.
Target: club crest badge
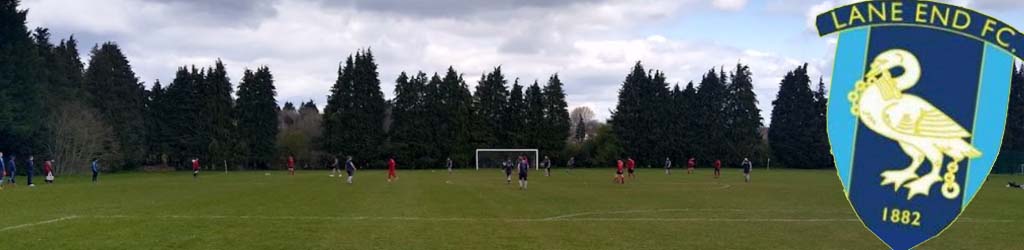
point(917, 110)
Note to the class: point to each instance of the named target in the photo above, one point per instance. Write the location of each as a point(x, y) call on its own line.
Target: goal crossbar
point(535, 152)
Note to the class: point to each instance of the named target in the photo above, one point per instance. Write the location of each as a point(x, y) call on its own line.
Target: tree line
point(56, 107)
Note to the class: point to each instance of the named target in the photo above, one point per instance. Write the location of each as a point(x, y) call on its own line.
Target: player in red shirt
point(691, 165)
point(291, 165)
point(195, 168)
point(718, 168)
point(391, 170)
point(631, 165)
point(618, 174)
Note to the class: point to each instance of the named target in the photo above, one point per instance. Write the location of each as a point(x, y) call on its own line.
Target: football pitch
point(780, 209)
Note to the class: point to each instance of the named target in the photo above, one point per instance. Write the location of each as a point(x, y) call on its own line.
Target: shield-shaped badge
point(917, 110)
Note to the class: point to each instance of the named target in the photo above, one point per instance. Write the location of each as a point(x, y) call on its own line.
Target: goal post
point(502, 154)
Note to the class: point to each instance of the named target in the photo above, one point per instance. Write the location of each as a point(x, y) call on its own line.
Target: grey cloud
point(221, 12)
point(448, 8)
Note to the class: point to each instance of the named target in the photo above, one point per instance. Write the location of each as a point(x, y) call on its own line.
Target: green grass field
point(781, 209)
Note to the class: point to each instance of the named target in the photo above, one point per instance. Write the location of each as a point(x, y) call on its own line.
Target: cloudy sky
point(591, 44)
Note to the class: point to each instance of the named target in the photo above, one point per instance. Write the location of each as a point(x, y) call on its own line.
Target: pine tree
point(790, 135)
point(256, 113)
point(625, 120)
point(23, 79)
point(1013, 138)
point(744, 129)
point(556, 116)
point(119, 96)
point(515, 118)
point(218, 107)
point(406, 110)
point(355, 112)
point(534, 134)
point(711, 121)
point(490, 101)
point(158, 118)
point(185, 124)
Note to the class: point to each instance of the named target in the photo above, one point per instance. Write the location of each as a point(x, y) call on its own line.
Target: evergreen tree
point(820, 149)
point(460, 108)
point(355, 112)
point(625, 120)
point(711, 119)
point(744, 115)
point(534, 134)
point(556, 116)
point(119, 96)
point(181, 104)
point(687, 120)
point(22, 80)
point(158, 118)
point(256, 113)
point(407, 112)
point(490, 101)
point(69, 69)
point(791, 137)
point(217, 110)
point(515, 118)
point(1013, 137)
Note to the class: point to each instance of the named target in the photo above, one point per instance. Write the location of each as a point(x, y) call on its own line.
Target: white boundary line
point(567, 218)
point(563, 218)
point(39, 223)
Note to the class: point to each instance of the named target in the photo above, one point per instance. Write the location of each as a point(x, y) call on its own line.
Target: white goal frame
point(536, 154)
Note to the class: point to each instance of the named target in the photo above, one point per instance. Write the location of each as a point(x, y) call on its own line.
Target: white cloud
point(732, 5)
point(588, 43)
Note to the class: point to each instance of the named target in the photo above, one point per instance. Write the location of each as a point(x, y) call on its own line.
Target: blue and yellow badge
point(917, 110)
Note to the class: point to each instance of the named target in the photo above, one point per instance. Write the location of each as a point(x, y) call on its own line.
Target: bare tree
point(79, 135)
point(585, 114)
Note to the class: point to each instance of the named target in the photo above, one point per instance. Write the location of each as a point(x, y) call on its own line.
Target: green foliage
point(354, 116)
point(490, 101)
point(556, 119)
point(120, 99)
point(256, 114)
point(640, 120)
point(744, 117)
point(797, 127)
point(22, 82)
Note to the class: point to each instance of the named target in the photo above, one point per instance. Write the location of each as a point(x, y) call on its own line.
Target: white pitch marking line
point(551, 219)
point(39, 223)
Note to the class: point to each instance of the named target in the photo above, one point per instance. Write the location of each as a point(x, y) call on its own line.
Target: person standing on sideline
point(448, 163)
point(524, 168)
point(747, 166)
point(291, 165)
point(631, 167)
point(718, 168)
point(618, 173)
point(392, 176)
point(31, 170)
point(547, 166)
point(3, 171)
point(334, 167)
point(195, 168)
point(690, 165)
point(95, 169)
point(350, 168)
point(570, 164)
point(668, 166)
point(48, 171)
point(12, 171)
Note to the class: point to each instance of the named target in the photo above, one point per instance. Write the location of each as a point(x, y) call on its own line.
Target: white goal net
point(492, 158)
